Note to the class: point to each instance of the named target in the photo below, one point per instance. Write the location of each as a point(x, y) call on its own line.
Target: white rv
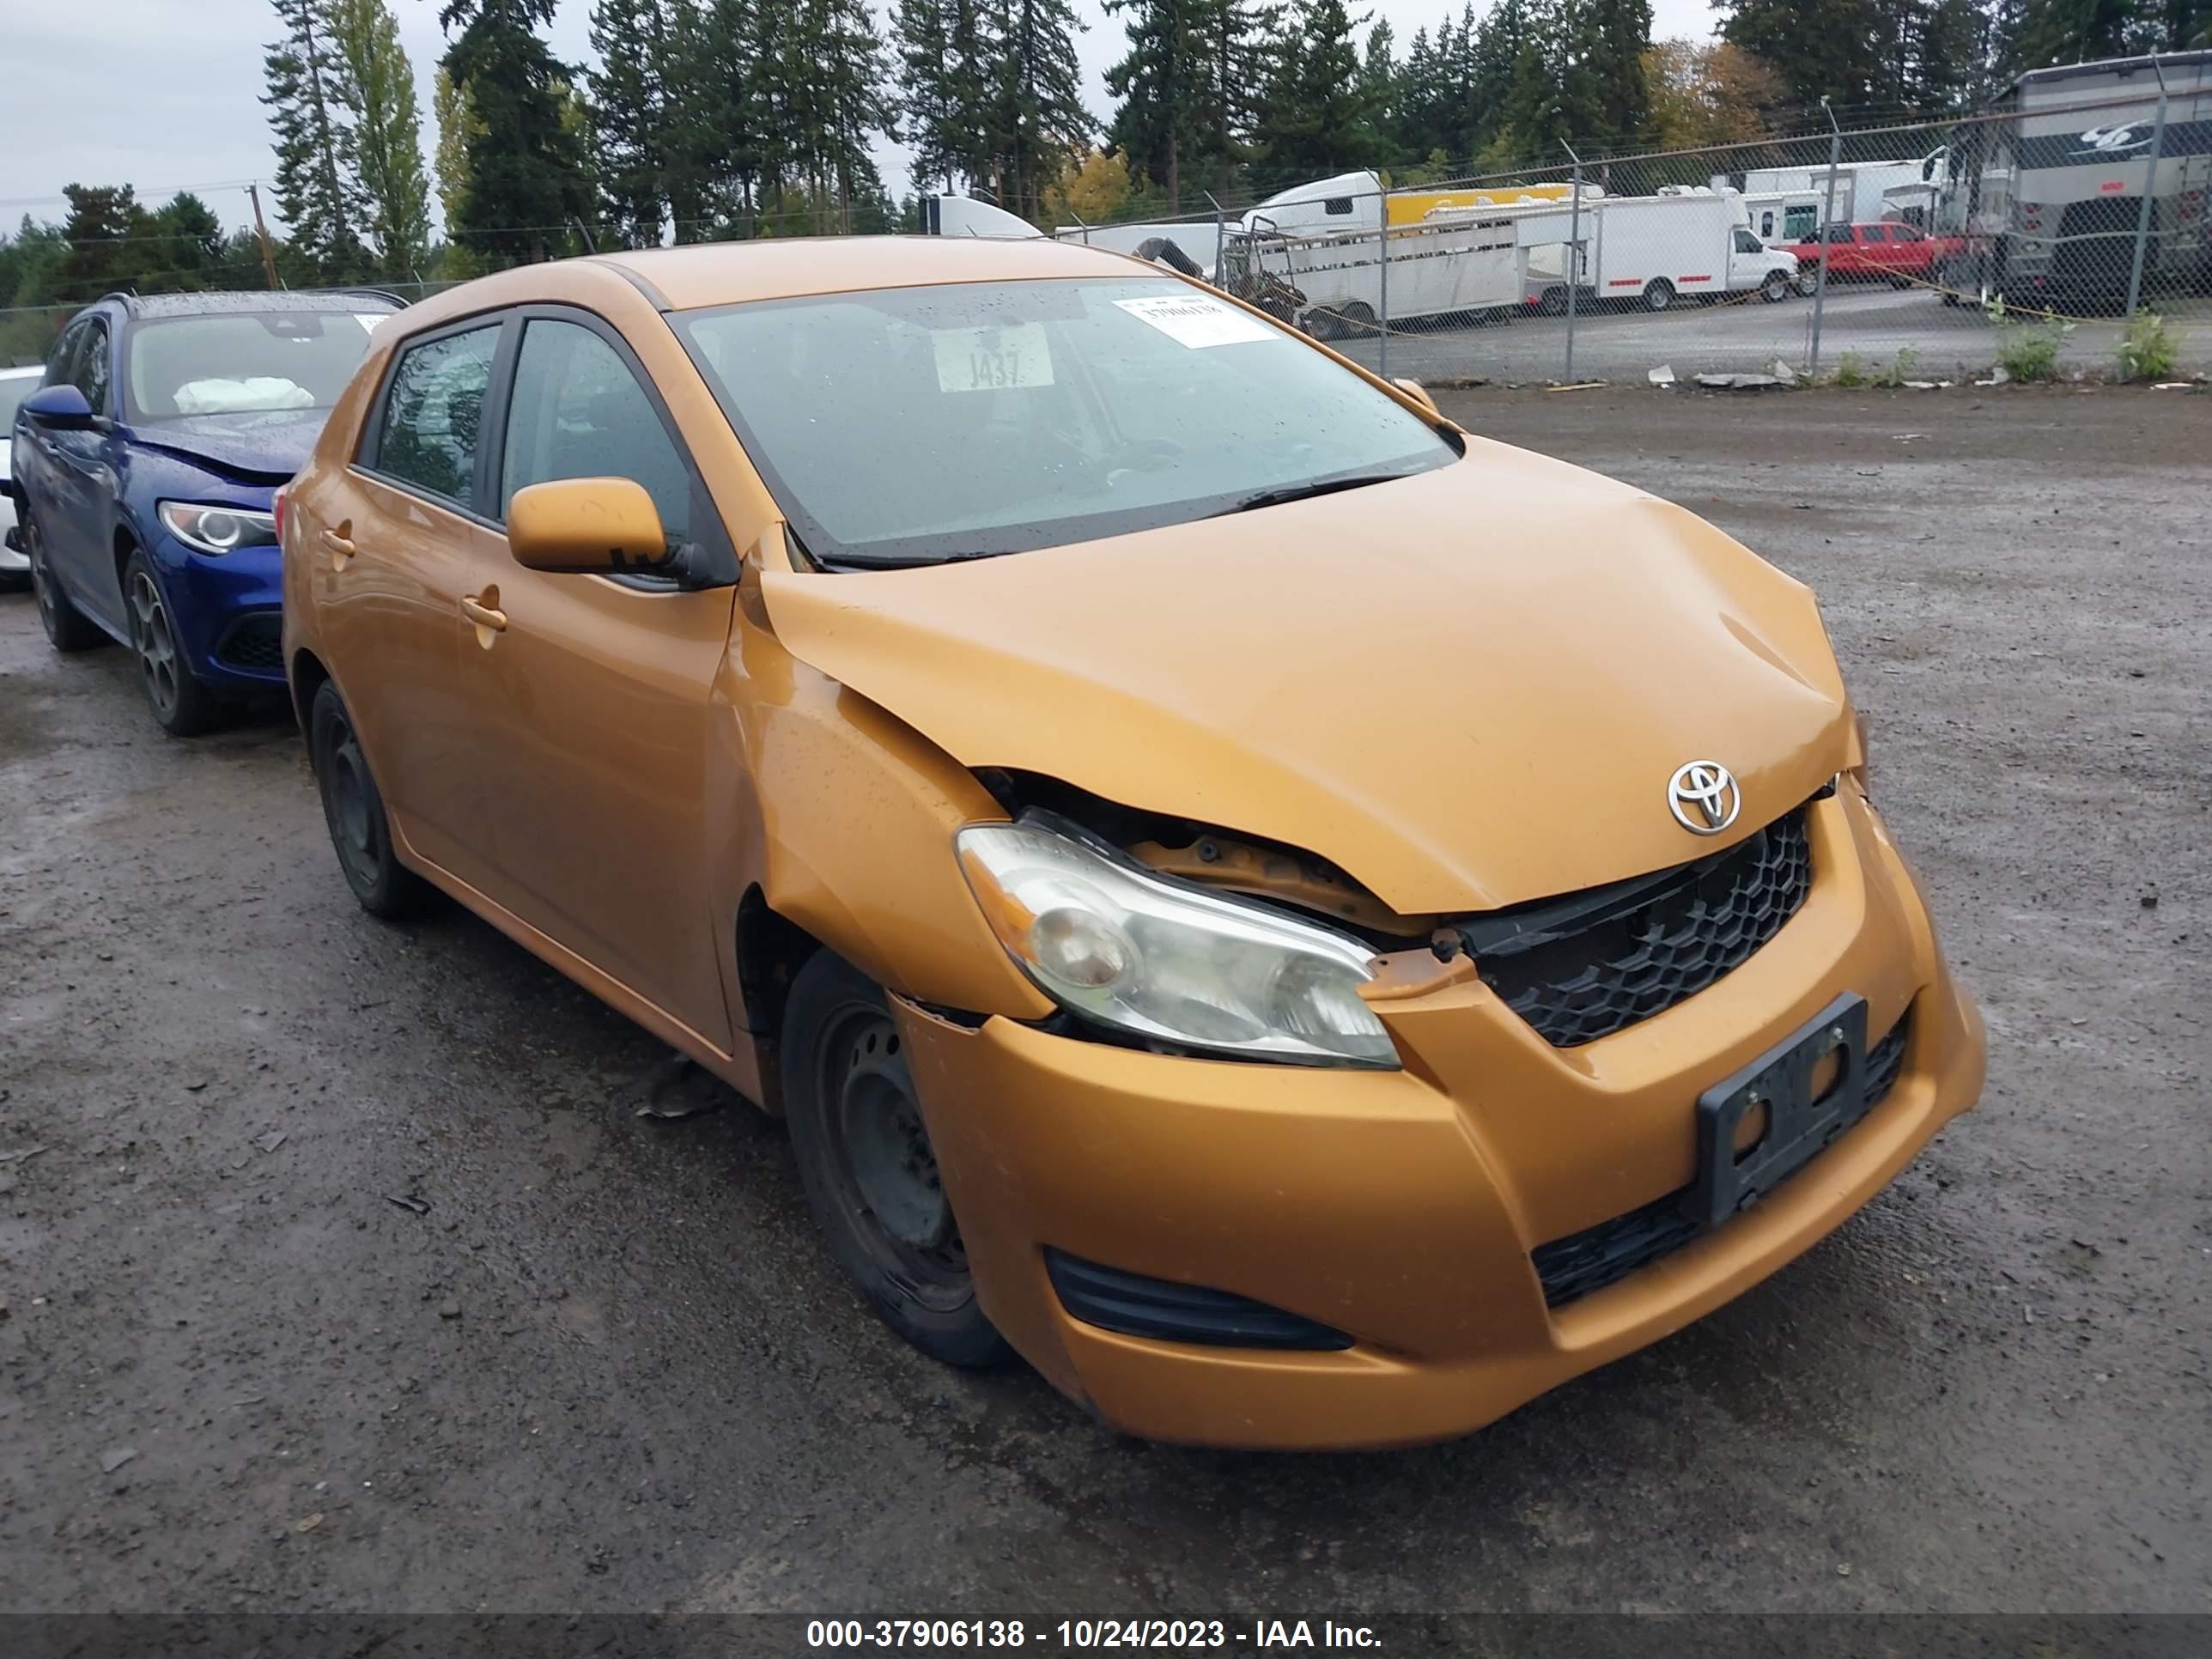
point(2050, 202)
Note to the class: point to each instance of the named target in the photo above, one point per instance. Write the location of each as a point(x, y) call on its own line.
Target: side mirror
point(58, 409)
point(1419, 393)
point(586, 528)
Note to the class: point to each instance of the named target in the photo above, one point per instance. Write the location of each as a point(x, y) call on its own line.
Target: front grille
point(1585, 966)
point(255, 644)
point(1597, 1256)
point(1133, 1305)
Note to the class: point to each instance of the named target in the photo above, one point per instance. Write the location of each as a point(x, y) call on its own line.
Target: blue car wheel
point(181, 705)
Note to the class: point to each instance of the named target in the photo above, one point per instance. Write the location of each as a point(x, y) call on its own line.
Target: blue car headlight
point(218, 530)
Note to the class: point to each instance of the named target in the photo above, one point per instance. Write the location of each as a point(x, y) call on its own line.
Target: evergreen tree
point(1313, 120)
point(1607, 39)
point(1038, 120)
point(946, 96)
point(1829, 50)
point(376, 84)
point(2075, 31)
point(629, 101)
point(1167, 69)
point(526, 177)
point(1379, 91)
point(315, 192)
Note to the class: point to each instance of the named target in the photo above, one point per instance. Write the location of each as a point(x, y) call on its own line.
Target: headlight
point(1117, 943)
point(219, 529)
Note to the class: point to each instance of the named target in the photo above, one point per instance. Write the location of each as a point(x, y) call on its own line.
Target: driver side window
point(578, 412)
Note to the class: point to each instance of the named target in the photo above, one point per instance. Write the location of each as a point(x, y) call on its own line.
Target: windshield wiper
point(1307, 491)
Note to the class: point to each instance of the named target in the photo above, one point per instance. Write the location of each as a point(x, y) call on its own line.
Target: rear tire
point(1554, 303)
point(68, 629)
point(1357, 321)
point(181, 705)
point(1658, 294)
point(353, 809)
point(866, 1161)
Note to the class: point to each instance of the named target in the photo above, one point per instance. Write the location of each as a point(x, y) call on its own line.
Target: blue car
point(144, 470)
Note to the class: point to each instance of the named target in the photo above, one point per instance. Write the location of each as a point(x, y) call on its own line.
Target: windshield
point(913, 425)
point(237, 364)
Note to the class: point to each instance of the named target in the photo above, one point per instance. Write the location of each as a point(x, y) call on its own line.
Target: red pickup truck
point(1888, 249)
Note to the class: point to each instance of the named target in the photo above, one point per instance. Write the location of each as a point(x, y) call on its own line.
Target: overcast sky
point(163, 94)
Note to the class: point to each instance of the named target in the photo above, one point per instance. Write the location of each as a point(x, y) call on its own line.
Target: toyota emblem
point(1703, 797)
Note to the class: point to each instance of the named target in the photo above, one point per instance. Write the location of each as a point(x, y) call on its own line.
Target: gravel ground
point(597, 1363)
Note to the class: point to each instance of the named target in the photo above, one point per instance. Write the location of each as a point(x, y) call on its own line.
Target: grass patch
point(2148, 351)
point(2029, 351)
point(1850, 370)
point(1899, 369)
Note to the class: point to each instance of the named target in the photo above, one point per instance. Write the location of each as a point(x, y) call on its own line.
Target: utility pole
point(261, 228)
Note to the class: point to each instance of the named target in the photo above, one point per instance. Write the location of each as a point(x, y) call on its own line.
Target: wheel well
point(306, 675)
point(770, 952)
point(125, 545)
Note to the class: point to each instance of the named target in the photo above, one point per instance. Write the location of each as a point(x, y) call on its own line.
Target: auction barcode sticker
point(1197, 320)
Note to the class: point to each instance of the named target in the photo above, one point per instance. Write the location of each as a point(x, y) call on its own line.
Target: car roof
point(725, 273)
point(728, 273)
point(255, 302)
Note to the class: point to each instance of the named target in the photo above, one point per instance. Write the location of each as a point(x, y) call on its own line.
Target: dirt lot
point(607, 1368)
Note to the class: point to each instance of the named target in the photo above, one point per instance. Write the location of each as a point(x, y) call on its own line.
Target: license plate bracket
point(1798, 1124)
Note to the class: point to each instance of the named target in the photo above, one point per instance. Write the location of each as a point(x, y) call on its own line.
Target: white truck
point(1651, 250)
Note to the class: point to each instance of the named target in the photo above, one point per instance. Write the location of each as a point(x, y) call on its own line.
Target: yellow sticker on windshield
point(1197, 320)
point(992, 359)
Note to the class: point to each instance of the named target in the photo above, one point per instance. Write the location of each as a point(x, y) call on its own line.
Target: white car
point(16, 384)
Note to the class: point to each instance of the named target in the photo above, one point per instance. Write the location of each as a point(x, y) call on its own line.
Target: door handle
point(340, 546)
point(483, 616)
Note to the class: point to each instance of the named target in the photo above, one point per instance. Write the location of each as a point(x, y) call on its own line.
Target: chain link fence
point(2066, 236)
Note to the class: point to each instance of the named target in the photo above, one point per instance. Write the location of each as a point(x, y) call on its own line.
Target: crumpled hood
point(1465, 689)
point(266, 445)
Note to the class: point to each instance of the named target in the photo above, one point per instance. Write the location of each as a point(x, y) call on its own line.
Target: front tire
point(1775, 287)
point(353, 809)
point(68, 629)
point(182, 705)
point(866, 1161)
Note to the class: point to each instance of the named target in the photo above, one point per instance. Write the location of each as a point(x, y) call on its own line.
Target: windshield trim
point(824, 550)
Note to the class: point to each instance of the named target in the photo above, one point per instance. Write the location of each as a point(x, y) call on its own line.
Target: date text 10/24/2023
point(1086, 1633)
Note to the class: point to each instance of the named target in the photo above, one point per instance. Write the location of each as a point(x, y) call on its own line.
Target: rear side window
point(578, 412)
point(1840, 234)
point(1874, 233)
point(433, 413)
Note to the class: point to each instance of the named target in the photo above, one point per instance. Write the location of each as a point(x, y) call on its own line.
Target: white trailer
point(1859, 185)
point(1652, 250)
point(1450, 264)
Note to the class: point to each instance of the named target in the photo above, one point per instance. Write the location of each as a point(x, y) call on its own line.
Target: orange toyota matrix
point(1307, 925)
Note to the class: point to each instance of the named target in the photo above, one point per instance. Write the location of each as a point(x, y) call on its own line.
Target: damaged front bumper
point(1393, 1223)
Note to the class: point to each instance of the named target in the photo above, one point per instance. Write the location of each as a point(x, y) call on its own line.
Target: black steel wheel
point(870, 1173)
point(354, 810)
point(181, 705)
point(68, 629)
